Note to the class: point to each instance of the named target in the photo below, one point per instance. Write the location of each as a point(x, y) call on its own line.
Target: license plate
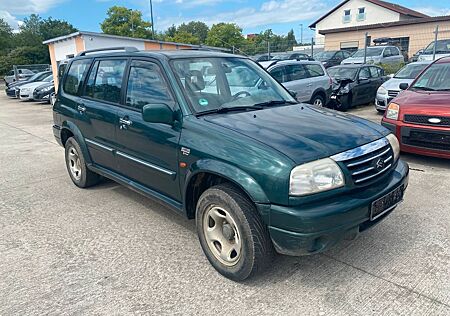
point(386, 203)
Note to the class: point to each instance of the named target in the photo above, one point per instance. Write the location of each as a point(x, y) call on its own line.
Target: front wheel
point(232, 234)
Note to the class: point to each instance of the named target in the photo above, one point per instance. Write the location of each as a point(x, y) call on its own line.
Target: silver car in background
point(391, 88)
point(442, 50)
point(388, 55)
point(308, 79)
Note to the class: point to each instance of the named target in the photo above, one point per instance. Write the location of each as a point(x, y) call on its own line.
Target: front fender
point(79, 138)
point(231, 173)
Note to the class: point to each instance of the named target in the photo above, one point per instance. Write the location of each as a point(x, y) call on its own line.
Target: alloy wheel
point(74, 163)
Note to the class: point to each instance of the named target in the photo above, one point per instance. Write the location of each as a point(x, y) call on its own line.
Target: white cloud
point(25, 7)
point(433, 11)
point(270, 12)
point(10, 19)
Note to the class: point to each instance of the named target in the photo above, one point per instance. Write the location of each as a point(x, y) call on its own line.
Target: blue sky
point(253, 16)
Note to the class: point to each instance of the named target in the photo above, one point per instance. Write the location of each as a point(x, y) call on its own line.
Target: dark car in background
point(355, 85)
point(292, 56)
point(43, 92)
point(13, 88)
point(420, 115)
point(332, 58)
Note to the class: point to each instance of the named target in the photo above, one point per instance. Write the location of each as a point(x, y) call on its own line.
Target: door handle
point(81, 108)
point(124, 123)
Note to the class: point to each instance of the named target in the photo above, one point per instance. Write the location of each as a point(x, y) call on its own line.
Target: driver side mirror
point(293, 94)
point(158, 113)
point(404, 86)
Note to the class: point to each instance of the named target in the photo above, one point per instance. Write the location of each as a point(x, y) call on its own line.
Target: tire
point(76, 165)
point(346, 104)
point(318, 100)
point(248, 247)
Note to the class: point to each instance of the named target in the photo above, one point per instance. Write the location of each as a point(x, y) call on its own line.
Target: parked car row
point(39, 87)
point(22, 74)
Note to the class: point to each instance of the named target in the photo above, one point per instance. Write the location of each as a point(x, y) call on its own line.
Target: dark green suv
point(214, 137)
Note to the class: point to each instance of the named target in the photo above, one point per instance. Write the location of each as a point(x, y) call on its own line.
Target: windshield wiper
point(275, 102)
point(424, 88)
point(226, 109)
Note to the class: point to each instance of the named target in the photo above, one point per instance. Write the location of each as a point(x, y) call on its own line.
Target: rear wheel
point(232, 234)
point(76, 165)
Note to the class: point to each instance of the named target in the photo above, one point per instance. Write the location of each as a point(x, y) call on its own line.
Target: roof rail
point(128, 49)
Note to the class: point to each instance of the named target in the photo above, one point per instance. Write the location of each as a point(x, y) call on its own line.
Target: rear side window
point(74, 76)
point(296, 72)
point(146, 85)
point(278, 74)
point(315, 70)
point(105, 80)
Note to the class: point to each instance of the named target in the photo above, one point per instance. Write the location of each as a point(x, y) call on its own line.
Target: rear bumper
point(316, 227)
point(57, 134)
point(436, 143)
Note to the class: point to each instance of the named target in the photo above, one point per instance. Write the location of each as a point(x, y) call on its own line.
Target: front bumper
point(42, 95)
point(315, 227)
point(382, 101)
point(434, 142)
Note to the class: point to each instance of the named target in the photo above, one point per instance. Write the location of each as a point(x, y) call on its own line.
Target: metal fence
point(20, 71)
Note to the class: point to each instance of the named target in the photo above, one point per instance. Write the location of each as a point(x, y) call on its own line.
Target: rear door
point(148, 152)
point(376, 81)
point(319, 80)
point(361, 91)
point(298, 80)
point(98, 108)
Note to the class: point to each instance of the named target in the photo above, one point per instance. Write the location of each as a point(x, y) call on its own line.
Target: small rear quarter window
point(74, 76)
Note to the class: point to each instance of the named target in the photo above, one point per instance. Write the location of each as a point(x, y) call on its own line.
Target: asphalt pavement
point(110, 251)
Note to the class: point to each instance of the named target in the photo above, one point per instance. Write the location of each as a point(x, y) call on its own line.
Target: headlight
point(47, 89)
point(394, 144)
point(317, 176)
point(382, 90)
point(392, 111)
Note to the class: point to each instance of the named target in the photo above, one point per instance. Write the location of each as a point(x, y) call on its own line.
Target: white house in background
point(350, 13)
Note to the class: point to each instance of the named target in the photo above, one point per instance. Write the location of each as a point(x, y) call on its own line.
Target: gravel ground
point(108, 250)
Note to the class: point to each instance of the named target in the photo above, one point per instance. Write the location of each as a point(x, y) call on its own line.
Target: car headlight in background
point(395, 145)
point(46, 89)
point(382, 90)
point(317, 176)
point(393, 111)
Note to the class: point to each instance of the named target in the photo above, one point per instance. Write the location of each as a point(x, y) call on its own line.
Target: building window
point(347, 16)
point(361, 14)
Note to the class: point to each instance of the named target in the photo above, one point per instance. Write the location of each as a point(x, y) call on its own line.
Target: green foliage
point(227, 35)
point(126, 22)
point(183, 37)
point(196, 28)
point(391, 69)
point(25, 47)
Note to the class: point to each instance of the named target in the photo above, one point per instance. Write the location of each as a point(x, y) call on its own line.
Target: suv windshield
point(435, 78)
point(410, 71)
point(216, 83)
point(442, 47)
point(324, 55)
point(371, 52)
point(343, 72)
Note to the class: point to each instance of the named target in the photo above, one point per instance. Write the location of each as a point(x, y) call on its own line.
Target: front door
point(148, 152)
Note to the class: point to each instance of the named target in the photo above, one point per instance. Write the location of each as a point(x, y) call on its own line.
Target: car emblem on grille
point(434, 120)
point(379, 165)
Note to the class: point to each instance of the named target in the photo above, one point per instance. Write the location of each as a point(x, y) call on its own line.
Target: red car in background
point(420, 115)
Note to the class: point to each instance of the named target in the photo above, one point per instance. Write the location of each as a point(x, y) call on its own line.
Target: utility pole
point(301, 34)
point(312, 46)
point(435, 41)
point(365, 46)
point(268, 48)
point(132, 22)
point(151, 17)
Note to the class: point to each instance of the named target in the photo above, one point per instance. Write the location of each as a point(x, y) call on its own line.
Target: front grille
point(369, 162)
point(424, 120)
point(432, 140)
point(393, 93)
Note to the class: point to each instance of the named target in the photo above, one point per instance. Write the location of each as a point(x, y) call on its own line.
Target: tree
point(183, 37)
point(226, 35)
point(126, 22)
point(51, 28)
point(196, 28)
point(6, 37)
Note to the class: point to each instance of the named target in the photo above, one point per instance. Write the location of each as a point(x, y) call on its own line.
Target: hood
point(301, 132)
point(359, 60)
point(423, 102)
point(429, 57)
point(394, 83)
point(32, 85)
point(45, 85)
